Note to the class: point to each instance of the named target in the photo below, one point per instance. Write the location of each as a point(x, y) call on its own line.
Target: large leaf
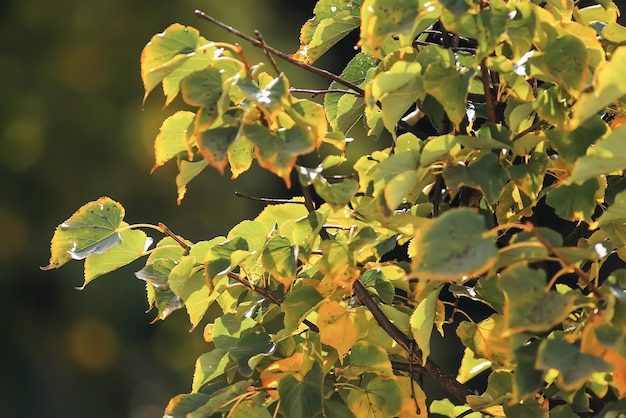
point(302, 399)
point(452, 246)
point(339, 327)
point(92, 229)
point(375, 398)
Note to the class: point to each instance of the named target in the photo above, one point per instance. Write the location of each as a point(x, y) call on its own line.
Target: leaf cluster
point(497, 110)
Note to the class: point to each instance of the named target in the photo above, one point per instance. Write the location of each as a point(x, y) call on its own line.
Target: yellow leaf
point(337, 326)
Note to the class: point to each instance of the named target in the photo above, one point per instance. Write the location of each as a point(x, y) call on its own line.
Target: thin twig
point(266, 293)
point(279, 54)
point(579, 272)
point(536, 125)
point(267, 53)
point(315, 93)
point(268, 200)
point(173, 236)
point(437, 194)
point(491, 106)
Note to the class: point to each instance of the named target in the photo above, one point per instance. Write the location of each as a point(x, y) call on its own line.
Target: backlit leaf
point(338, 327)
point(423, 319)
point(575, 202)
point(172, 137)
point(133, 245)
point(298, 304)
point(486, 174)
point(213, 145)
point(452, 246)
point(449, 86)
point(606, 156)
point(247, 349)
point(280, 258)
point(369, 358)
point(613, 220)
point(92, 229)
point(210, 366)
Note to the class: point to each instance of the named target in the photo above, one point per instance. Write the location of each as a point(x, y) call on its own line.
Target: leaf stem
point(163, 228)
point(279, 54)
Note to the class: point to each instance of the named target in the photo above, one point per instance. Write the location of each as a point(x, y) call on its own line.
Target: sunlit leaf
point(499, 392)
point(210, 366)
point(606, 156)
point(423, 319)
point(486, 339)
point(613, 220)
point(575, 202)
point(486, 174)
point(376, 398)
point(92, 229)
point(187, 171)
point(452, 246)
point(133, 244)
point(368, 358)
point(247, 349)
point(298, 304)
point(213, 145)
point(280, 258)
point(172, 137)
point(338, 326)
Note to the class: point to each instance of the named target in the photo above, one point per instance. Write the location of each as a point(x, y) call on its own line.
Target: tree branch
point(491, 106)
point(279, 54)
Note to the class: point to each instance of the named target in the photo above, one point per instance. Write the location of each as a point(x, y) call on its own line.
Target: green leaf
point(171, 55)
point(222, 257)
point(376, 397)
point(210, 366)
point(486, 339)
point(381, 19)
point(187, 171)
point(298, 304)
point(280, 259)
point(278, 151)
point(213, 145)
point(302, 399)
point(344, 110)
point(452, 247)
point(613, 220)
point(574, 202)
point(486, 174)
point(332, 22)
point(608, 155)
point(189, 284)
point(471, 366)
point(182, 406)
point(369, 358)
point(245, 351)
point(227, 330)
point(529, 307)
point(172, 137)
point(397, 89)
point(449, 86)
point(529, 177)
point(573, 366)
point(564, 61)
point(133, 245)
point(423, 319)
point(92, 229)
point(203, 88)
point(608, 87)
point(530, 408)
point(527, 379)
point(574, 144)
point(270, 99)
point(218, 399)
point(499, 392)
point(377, 283)
point(306, 232)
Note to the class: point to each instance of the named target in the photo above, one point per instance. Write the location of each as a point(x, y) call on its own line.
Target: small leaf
point(90, 230)
point(172, 137)
point(453, 246)
point(280, 259)
point(298, 304)
point(423, 319)
point(187, 171)
point(613, 220)
point(485, 174)
point(606, 156)
point(213, 145)
point(210, 366)
point(182, 406)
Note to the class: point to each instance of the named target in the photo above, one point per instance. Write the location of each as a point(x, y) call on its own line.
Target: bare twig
point(267, 53)
point(279, 54)
point(318, 92)
point(173, 236)
point(266, 293)
point(538, 123)
point(268, 200)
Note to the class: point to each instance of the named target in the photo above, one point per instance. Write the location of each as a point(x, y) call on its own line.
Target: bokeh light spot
point(93, 344)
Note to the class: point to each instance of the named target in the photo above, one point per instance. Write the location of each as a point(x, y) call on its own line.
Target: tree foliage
point(325, 304)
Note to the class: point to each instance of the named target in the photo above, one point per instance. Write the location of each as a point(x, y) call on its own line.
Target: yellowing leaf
point(172, 137)
point(337, 326)
point(376, 398)
point(296, 365)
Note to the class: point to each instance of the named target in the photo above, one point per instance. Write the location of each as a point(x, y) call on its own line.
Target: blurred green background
point(72, 129)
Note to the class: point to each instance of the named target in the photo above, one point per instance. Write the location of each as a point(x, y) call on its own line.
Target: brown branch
point(538, 123)
point(173, 236)
point(454, 387)
point(281, 55)
point(318, 92)
point(491, 106)
point(267, 53)
point(266, 293)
